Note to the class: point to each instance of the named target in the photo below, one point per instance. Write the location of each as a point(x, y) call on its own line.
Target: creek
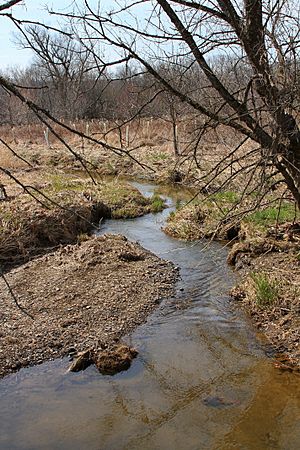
point(201, 379)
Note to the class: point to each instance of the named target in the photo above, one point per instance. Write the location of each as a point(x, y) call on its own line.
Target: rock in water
point(83, 360)
point(109, 361)
point(115, 359)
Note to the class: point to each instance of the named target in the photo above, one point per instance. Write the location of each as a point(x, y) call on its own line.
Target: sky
point(10, 54)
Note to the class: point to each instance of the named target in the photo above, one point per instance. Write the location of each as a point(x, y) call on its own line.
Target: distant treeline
point(72, 83)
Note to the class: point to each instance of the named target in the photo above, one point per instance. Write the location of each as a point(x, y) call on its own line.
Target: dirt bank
point(82, 296)
point(69, 207)
point(270, 293)
point(205, 217)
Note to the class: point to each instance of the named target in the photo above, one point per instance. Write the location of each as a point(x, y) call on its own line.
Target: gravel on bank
point(82, 296)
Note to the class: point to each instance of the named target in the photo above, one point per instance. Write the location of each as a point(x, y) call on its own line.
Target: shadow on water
point(201, 380)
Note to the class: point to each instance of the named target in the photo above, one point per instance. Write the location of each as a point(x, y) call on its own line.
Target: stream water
point(201, 380)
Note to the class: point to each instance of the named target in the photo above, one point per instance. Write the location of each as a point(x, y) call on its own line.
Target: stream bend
point(201, 380)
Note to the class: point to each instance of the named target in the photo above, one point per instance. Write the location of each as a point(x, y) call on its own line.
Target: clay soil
point(83, 296)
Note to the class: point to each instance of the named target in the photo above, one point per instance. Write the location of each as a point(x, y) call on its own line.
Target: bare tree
point(6, 5)
point(261, 38)
point(63, 67)
point(238, 67)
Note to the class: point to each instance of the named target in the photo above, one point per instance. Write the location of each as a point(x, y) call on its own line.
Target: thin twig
point(13, 295)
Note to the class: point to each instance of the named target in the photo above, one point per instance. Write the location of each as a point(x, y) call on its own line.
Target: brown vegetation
point(206, 216)
point(69, 207)
point(270, 293)
point(248, 98)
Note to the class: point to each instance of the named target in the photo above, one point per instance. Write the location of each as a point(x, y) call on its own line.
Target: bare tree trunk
point(289, 167)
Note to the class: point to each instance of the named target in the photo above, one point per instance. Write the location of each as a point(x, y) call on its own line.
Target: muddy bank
point(61, 210)
point(204, 218)
point(83, 296)
point(269, 290)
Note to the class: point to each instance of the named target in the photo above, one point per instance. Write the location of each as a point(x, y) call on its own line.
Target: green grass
point(62, 183)
point(124, 200)
point(157, 203)
point(115, 193)
point(266, 290)
point(119, 194)
point(161, 156)
point(269, 216)
point(226, 196)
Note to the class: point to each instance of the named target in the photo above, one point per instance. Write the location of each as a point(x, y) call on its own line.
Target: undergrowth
point(157, 203)
point(269, 216)
point(266, 289)
point(225, 196)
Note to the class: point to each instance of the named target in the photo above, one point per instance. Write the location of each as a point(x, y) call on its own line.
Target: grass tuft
point(226, 196)
point(159, 156)
point(266, 290)
point(157, 203)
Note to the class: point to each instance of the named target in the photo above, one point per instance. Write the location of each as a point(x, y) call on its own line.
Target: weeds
point(272, 215)
point(226, 196)
point(157, 203)
point(266, 290)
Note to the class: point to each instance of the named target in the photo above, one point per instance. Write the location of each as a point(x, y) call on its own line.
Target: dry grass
point(70, 206)
point(9, 161)
point(26, 228)
point(149, 140)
